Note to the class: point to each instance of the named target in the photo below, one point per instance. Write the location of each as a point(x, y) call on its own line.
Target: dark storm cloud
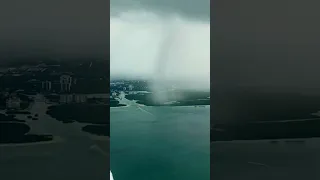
point(59, 27)
point(266, 43)
point(193, 9)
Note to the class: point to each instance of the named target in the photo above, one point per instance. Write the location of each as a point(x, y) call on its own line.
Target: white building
point(65, 83)
point(130, 87)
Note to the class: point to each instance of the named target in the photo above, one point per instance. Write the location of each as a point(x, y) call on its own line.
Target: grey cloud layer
point(193, 9)
point(266, 43)
point(65, 27)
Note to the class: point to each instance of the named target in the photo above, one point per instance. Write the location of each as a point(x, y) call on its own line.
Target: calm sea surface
point(160, 143)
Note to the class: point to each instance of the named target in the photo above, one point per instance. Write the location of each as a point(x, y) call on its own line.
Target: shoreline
point(128, 102)
point(184, 106)
point(126, 105)
point(55, 139)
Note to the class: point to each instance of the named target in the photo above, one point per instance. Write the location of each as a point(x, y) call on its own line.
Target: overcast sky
point(169, 37)
point(63, 28)
point(266, 43)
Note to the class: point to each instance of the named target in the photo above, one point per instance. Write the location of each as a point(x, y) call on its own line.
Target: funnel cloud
point(162, 45)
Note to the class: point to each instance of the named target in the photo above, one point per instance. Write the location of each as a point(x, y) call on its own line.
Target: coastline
point(128, 102)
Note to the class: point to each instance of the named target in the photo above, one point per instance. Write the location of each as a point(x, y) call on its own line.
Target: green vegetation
point(84, 113)
point(16, 133)
point(177, 98)
point(115, 103)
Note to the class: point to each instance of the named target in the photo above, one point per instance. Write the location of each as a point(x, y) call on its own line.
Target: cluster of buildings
point(52, 83)
point(59, 84)
point(61, 87)
point(64, 85)
point(66, 90)
point(120, 86)
point(11, 100)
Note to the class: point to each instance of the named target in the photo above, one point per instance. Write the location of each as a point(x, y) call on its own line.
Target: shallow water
point(156, 143)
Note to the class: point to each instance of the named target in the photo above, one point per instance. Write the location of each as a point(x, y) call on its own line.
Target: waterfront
point(56, 159)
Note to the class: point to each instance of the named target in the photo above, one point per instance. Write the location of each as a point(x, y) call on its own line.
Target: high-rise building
point(65, 83)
